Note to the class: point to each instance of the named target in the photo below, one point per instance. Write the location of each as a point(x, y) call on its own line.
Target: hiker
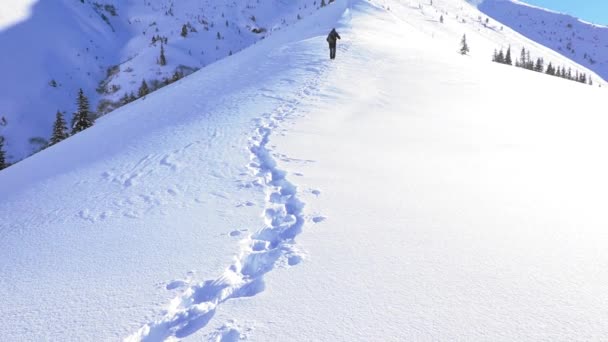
point(331, 39)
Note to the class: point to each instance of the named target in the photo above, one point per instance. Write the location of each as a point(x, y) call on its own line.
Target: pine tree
point(124, 99)
point(176, 76)
point(60, 129)
point(508, 59)
point(500, 58)
point(132, 97)
point(464, 49)
point(522, 58)
point(539, 66)
point(81, 119)
point(441, 19)
point(550, 69)
point(322, 3)
point(529, 61)
point(495, 56)
point(162, 60)
point(184, 31)
point(3, 164)
point(143, 89)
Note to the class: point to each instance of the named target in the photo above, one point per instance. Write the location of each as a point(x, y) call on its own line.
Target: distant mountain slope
point(107, 48)
point(583, 42)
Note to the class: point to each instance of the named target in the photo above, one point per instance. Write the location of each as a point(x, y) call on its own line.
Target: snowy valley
point(403, 191)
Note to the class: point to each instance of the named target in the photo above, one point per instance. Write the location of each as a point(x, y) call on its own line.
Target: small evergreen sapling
point(464, 49)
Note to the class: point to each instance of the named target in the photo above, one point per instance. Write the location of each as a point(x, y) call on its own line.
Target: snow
point(573, 38)
point(399, 192)
point(105, 47)
point(453, 212)
point(14, 11)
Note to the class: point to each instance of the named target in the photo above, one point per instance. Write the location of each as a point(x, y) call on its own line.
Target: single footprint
point(175, 284)
point(318, 219)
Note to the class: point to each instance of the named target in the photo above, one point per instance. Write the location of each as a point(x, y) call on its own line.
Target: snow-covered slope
point(396, 193)
point(106, 48)
point(583, 42)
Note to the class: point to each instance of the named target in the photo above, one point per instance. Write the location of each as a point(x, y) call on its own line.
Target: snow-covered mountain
point(583, 42)
point(400, 192)
point(109, 47)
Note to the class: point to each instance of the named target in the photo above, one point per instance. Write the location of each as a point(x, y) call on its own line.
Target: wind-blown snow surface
point(425, 202)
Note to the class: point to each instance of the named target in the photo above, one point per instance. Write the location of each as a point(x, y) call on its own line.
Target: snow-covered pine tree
point(322, 3)
point(60, 129)
point(464, 48)
point(162, 60)
point(3, 164)
point(143, 89)
point(82, 118)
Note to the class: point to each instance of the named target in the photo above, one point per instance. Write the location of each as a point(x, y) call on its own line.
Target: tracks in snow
point(270, 247)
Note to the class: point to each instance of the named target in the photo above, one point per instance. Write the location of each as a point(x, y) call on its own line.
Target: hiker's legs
point(332, 51)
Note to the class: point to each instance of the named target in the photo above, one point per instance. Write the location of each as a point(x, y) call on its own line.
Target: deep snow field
point(400, 192)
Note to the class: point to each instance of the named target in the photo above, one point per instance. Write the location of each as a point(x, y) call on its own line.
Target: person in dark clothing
point(332, 39)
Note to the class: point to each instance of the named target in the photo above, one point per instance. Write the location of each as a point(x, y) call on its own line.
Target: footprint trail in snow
point(270, 247)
